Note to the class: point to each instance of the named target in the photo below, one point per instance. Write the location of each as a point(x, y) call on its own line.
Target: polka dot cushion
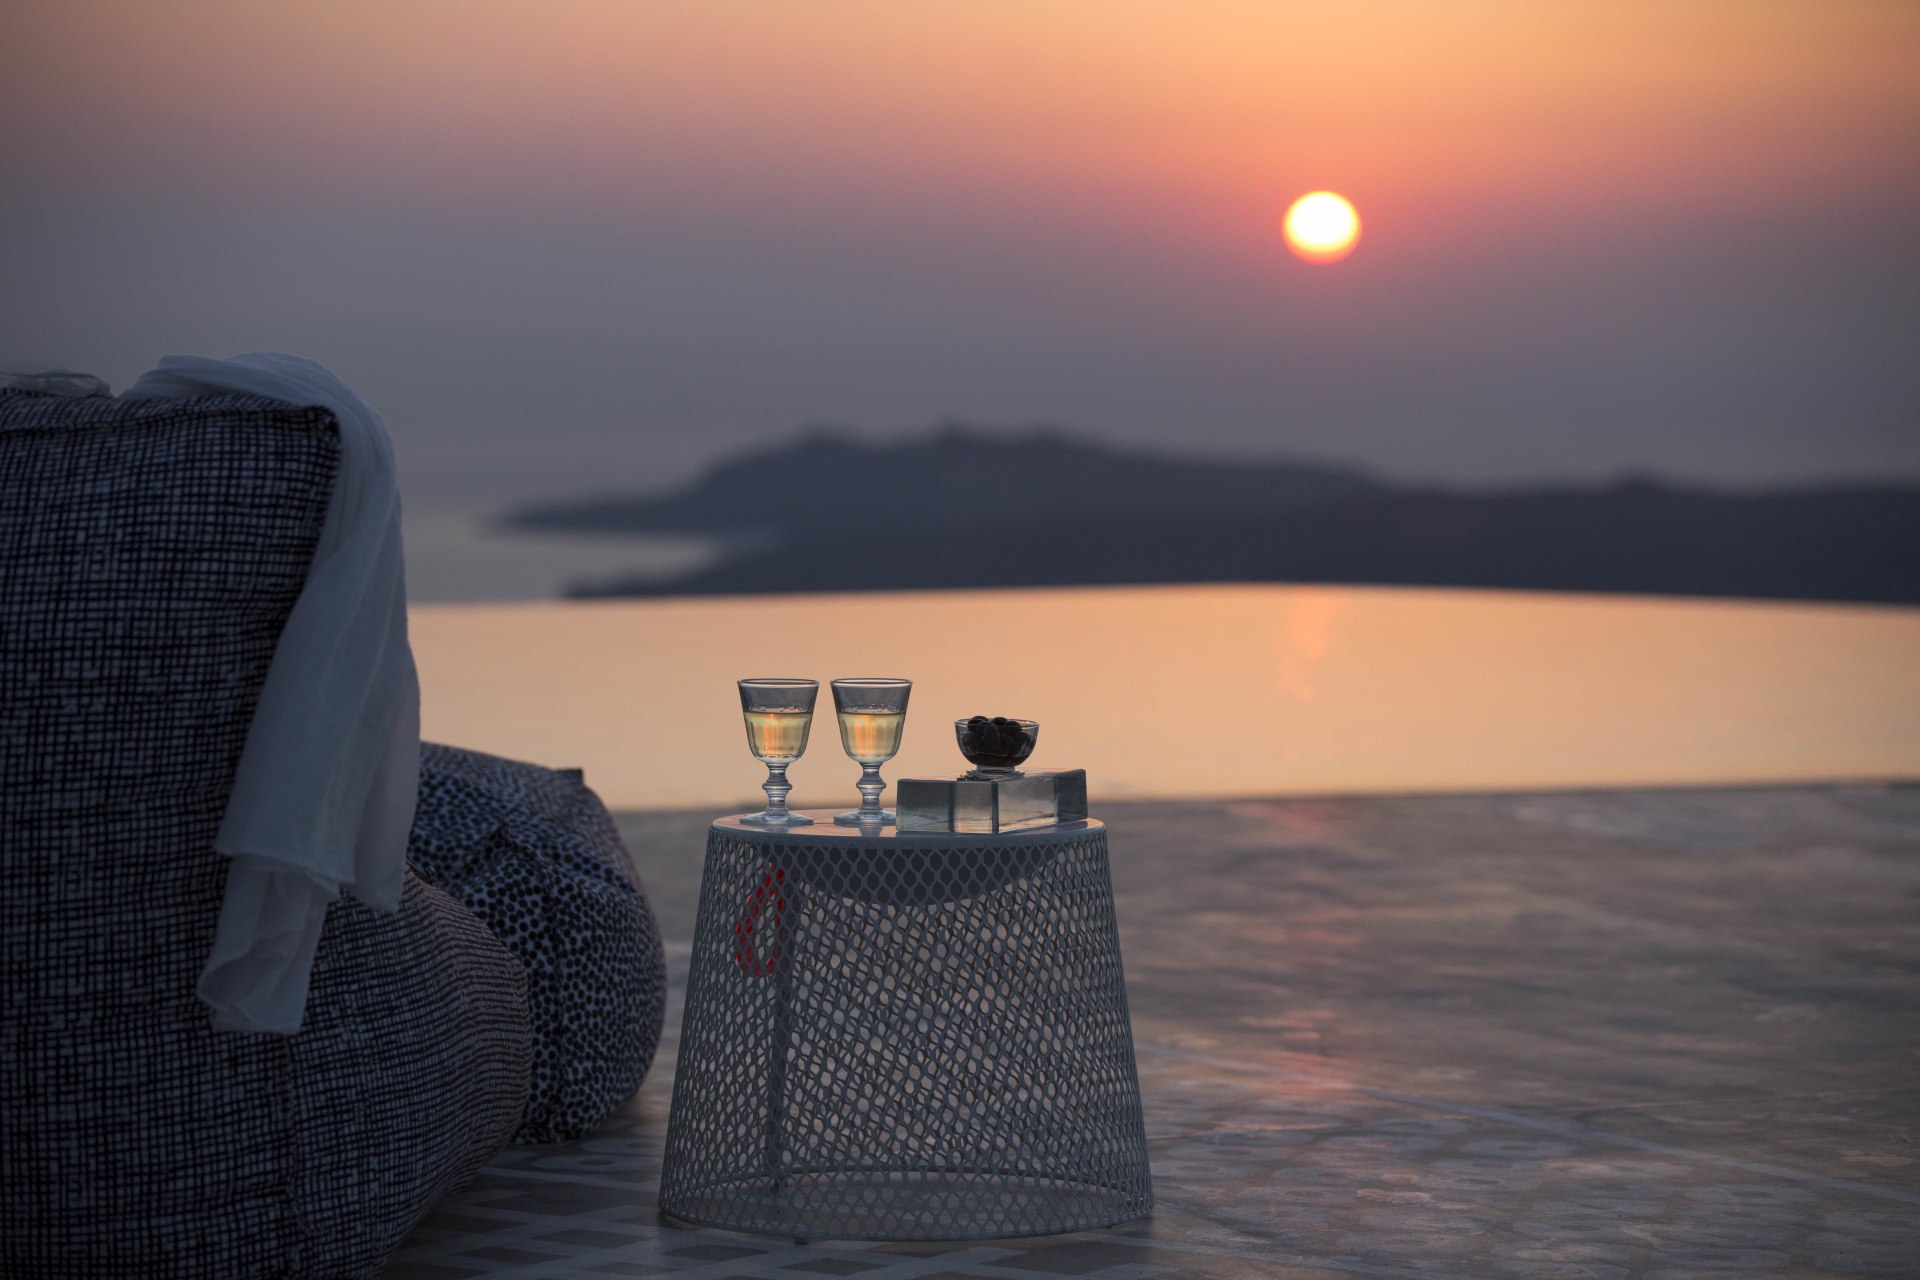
point(534, 854)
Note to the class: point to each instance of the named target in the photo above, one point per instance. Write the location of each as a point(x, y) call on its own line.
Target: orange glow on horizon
point(1100, 112)
point(1138, 154)
point(1322, 227)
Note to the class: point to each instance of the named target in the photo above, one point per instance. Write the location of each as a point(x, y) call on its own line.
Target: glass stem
point(870, 788)
point(776, 786)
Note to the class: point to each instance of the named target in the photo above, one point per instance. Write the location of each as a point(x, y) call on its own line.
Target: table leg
point(777, 1066)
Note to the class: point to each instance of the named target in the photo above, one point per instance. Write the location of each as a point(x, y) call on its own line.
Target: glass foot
point(854, 818)
point(764, 819)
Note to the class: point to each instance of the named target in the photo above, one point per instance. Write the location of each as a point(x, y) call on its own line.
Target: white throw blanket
point(324, 795)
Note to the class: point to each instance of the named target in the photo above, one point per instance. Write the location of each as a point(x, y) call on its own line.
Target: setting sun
point(1322, 227)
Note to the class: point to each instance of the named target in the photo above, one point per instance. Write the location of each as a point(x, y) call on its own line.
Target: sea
point(456, 554)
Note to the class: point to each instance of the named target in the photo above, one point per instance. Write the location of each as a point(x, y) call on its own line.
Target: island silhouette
point(968, 507)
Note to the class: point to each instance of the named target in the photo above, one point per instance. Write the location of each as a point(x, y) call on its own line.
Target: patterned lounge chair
point(149, 553)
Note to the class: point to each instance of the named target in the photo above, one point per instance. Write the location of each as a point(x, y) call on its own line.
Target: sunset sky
point(1681, 235)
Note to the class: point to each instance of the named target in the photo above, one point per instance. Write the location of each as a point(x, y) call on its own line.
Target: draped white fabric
point(324, 794)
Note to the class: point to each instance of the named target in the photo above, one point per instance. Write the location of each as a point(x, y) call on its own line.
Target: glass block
point(987, 805)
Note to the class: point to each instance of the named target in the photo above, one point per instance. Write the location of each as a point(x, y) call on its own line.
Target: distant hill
point(970, 509)
point(958, 477)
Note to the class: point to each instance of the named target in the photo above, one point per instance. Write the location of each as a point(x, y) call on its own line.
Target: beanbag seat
point(150, 552)
point(534, 854)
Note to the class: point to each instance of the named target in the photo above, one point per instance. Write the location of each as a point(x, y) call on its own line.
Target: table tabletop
point(823, 831)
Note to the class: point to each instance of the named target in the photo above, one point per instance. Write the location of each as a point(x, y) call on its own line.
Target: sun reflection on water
point(1188, 692)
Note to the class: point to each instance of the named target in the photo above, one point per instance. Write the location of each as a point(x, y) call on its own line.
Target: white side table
point(918, 1036)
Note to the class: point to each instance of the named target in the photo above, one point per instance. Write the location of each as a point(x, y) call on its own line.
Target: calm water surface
point(458, 555)
point(1198, 691)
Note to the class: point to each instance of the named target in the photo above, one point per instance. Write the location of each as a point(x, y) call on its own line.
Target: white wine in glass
point(871, 737)
point(779, 712)
point(778, 733)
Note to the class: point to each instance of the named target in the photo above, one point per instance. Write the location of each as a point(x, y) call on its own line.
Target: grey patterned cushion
point(533, 852)
point(149, 554)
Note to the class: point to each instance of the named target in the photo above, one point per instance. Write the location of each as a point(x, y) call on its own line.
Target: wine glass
point(872, 712)
point(779, 711)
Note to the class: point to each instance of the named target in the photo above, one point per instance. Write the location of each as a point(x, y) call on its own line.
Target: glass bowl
point(996, 746)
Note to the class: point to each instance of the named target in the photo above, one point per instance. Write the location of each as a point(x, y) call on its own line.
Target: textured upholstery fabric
point(533, 852)
point(149, 554)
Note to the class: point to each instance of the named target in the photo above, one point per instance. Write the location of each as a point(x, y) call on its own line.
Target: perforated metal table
point(918, 1036)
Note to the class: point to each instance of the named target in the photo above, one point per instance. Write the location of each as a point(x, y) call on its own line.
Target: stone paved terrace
point(1661, 1034)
